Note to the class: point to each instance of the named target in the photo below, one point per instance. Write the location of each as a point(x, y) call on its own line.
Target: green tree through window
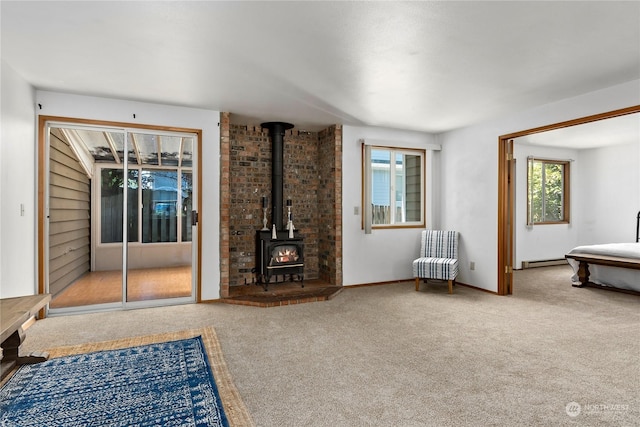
point(548, 191)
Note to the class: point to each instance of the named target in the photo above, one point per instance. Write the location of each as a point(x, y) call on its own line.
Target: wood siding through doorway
point(69, 216)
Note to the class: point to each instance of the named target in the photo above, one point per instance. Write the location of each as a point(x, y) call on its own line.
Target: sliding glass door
point(144, 198)
point(160, 257)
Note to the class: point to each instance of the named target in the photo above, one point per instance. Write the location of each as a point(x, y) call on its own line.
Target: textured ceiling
point(428, 66)
point(612, 131)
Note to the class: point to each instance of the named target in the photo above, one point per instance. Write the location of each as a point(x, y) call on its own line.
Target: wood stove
point(282, 257)
point(279, 252)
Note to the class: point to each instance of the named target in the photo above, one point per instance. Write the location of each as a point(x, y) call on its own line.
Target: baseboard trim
point(543, 263)
point(477, 288)
point(210, 301)
point(391, 282)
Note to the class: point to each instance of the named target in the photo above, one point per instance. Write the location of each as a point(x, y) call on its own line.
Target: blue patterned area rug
point(158, 384)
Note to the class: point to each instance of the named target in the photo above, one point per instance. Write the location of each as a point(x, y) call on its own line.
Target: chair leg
point(417, 283)
point(450, 286)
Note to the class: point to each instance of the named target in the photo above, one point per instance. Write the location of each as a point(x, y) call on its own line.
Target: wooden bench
point(14, 312)
point(585, 259)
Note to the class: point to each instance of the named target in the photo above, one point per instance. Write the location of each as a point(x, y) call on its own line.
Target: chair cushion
point(435, 268)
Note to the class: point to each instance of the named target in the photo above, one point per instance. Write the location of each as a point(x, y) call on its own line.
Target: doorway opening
point(506, 192)
point(117, 215)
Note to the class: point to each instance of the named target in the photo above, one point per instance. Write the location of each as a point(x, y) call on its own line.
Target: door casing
point(42, 181)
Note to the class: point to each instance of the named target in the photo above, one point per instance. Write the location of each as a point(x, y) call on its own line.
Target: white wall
point(549, 241)
point(74, 106)
point(17, 184)
point(142, 255)
point(609, 193)
point(604, 204)
point(469, 163)
point(385, 254)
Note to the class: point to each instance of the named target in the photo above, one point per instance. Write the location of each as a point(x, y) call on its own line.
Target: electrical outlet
point(472, 265)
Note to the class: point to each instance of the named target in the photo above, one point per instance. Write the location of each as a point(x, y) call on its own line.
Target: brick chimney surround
point(312, 180)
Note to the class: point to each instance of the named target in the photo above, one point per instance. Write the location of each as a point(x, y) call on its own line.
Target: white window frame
point(367, 187)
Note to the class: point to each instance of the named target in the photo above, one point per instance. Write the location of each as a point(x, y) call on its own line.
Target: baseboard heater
point(545, 263)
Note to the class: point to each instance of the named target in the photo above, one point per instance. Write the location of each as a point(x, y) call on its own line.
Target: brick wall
point(330, 204)
point(225, 197)
point(309, 180)
point(301, 183)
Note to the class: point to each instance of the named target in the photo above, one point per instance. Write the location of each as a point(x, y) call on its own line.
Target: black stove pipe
point(276, 132)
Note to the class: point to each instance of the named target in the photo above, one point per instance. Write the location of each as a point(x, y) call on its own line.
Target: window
point(548, 191)
point(111, 205)
point(156, 215)
point(159, 185)
point(395, 186)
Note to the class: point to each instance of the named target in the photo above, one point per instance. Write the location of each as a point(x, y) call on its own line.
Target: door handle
point(194, 218)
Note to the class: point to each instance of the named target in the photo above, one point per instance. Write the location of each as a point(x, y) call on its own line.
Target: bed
point(611, 265)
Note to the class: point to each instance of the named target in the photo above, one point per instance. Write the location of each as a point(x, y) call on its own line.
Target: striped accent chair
point(438, 257)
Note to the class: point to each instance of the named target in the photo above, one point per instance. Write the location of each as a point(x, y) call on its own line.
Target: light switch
point(356, 210)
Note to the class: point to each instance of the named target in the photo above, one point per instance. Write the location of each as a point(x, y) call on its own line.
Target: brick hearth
point(278, 294)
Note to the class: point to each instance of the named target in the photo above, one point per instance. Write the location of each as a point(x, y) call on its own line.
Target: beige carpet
point(388, 355)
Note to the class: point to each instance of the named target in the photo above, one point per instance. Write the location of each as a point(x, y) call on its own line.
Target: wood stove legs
point(264, 280)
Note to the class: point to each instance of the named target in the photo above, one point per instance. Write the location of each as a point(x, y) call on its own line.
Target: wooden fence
point(382, 214)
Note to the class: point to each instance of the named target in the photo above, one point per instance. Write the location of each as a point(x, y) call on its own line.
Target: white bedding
point(623, 278)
